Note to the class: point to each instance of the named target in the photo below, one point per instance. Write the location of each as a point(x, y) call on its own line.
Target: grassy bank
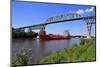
point(86, 51)
point(21, 58)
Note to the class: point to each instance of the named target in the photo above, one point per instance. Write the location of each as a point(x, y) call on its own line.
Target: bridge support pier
point(89, 22)
point(29, 30)
point(42, 33)
point(89, 26)
point(23, 30)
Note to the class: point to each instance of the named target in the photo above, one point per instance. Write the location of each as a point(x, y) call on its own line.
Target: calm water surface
point(41, 49)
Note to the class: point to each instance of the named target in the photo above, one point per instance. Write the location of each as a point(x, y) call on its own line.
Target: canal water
point(40, 49)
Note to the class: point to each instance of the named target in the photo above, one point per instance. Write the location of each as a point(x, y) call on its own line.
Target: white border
point(93, 2)
point(5, 33)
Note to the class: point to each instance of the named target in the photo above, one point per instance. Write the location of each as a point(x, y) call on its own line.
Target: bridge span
point(89, 20)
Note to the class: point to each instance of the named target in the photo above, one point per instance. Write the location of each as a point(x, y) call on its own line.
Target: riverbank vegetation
point(16, 33)
point(22, 58)
point(86, 51)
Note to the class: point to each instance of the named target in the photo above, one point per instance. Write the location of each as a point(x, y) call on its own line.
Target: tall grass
point(21, 58)
point(86, 51)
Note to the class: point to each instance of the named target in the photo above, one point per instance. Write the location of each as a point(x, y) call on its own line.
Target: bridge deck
point(52, 22)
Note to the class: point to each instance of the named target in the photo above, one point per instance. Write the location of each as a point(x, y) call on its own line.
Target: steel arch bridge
point(89, 20)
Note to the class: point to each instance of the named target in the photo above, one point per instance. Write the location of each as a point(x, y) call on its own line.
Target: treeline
point(21, 34)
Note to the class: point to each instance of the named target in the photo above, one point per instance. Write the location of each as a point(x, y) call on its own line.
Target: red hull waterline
point(53, 37)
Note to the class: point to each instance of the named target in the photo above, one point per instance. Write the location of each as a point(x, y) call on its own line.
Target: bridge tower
point(89, 23)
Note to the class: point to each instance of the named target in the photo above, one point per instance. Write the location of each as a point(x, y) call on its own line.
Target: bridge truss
point(64, 18)
point(89, 22)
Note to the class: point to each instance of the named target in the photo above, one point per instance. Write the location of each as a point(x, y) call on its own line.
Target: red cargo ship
point(43, 36)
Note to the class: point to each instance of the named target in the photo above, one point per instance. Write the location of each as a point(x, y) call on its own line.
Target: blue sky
point(30, 13)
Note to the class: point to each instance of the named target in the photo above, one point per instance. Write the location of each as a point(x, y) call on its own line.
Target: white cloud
point(81, 11)
point(90, 10)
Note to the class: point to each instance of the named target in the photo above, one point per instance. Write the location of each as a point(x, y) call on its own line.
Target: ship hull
point(46, 37)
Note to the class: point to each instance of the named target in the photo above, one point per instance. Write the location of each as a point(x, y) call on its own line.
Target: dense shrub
point(21, 58)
